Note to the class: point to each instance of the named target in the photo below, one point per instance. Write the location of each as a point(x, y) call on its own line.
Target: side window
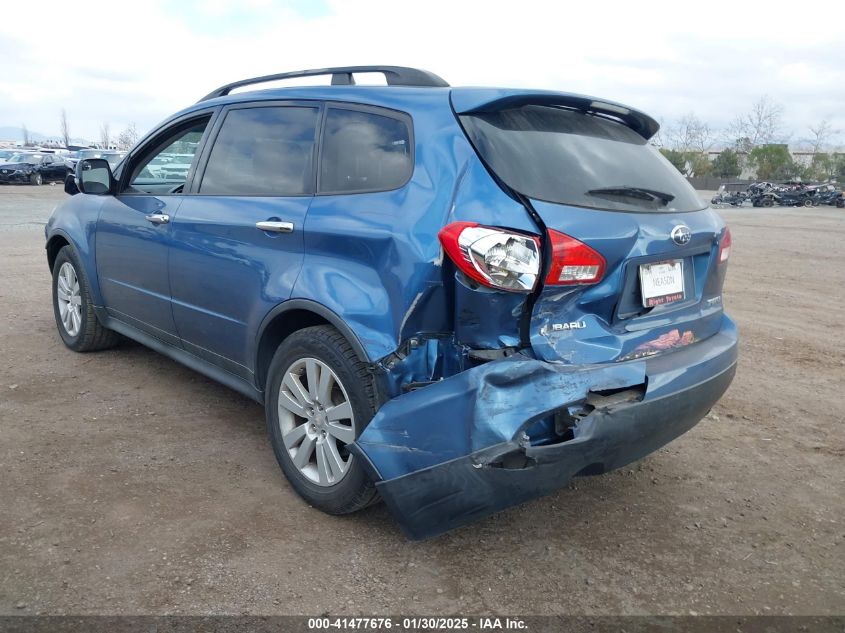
point(164, 168)
point(263, 151)
point(363, 151)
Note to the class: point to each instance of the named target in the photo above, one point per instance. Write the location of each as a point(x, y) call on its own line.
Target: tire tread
point(95, 336)
point(328, 336)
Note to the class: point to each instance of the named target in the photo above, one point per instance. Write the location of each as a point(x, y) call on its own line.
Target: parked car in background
point(796, 197)
point(154, 167)
point(732, 194)
point(171, 167)
point(33, 168)
point(456, 299)
point(112, 156)
point(826, 194)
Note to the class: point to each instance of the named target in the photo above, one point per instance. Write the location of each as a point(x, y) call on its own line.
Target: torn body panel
point(420, 361)
point(451, 318)
point(486, 318)
point(458, 450)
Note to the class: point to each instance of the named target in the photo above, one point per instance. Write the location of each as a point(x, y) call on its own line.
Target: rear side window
point(263, 151)
point(571, 157)
point(364, 151)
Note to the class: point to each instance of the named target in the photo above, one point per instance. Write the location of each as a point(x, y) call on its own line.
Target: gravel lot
point(133, 485)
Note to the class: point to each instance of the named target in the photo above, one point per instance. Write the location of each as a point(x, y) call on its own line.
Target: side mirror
point(93, 175)
point(70, 185)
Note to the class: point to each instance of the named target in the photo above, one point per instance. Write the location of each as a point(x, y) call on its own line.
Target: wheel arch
point(56, 243)
point(289, 317)
point(75, 221)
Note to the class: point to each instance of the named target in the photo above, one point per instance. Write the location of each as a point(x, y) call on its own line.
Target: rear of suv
point(452, 299)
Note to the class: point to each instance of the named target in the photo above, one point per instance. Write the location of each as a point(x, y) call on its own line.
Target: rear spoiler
point(477, 100)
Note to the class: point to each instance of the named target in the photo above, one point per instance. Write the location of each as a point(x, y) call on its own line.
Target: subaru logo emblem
point(681, 235)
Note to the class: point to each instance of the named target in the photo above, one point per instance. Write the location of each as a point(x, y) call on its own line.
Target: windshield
point(26, 158)
point(571, 157)
point(5, 153)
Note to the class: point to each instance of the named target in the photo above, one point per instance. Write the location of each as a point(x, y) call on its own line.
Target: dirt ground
point(133, 485)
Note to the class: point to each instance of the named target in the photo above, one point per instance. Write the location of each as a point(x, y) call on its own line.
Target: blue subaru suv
point(451, 299)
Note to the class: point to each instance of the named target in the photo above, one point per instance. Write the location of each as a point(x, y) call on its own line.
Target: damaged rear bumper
point(457, 450)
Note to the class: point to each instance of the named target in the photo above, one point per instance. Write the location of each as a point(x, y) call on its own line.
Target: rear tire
point(319, 398)
point(76, 321)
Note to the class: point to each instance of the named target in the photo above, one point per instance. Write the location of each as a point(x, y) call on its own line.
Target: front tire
point(72, 306)
point(36, 179)
point(319, 398)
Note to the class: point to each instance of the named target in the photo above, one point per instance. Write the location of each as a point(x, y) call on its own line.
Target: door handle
point(157, 218)
point(275, 227)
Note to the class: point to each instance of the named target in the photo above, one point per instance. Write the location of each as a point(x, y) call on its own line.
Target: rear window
point(364, 151)
point(570, 157)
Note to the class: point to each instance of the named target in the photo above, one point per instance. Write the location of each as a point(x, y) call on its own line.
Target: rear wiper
point(634, 192)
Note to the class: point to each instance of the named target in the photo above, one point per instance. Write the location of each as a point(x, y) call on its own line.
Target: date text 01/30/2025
point(418, 623)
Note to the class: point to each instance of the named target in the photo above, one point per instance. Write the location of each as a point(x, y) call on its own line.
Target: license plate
point(662, 282)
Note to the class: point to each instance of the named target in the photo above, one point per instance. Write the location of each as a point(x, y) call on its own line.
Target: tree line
point(755, 139)
point(124, 140)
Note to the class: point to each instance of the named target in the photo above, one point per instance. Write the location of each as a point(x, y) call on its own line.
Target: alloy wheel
point(69, 298)
point(316, 421)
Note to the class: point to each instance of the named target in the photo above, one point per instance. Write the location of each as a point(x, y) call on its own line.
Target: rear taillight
point(573, 262)
point(494, 257)
point(725, 246)
point(503, 259)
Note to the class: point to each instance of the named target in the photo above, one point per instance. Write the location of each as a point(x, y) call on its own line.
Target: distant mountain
point(12, 133)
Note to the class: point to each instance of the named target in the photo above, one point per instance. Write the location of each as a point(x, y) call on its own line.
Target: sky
point(120, 62)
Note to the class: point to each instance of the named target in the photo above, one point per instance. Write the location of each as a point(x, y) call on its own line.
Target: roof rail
point(342, 76)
